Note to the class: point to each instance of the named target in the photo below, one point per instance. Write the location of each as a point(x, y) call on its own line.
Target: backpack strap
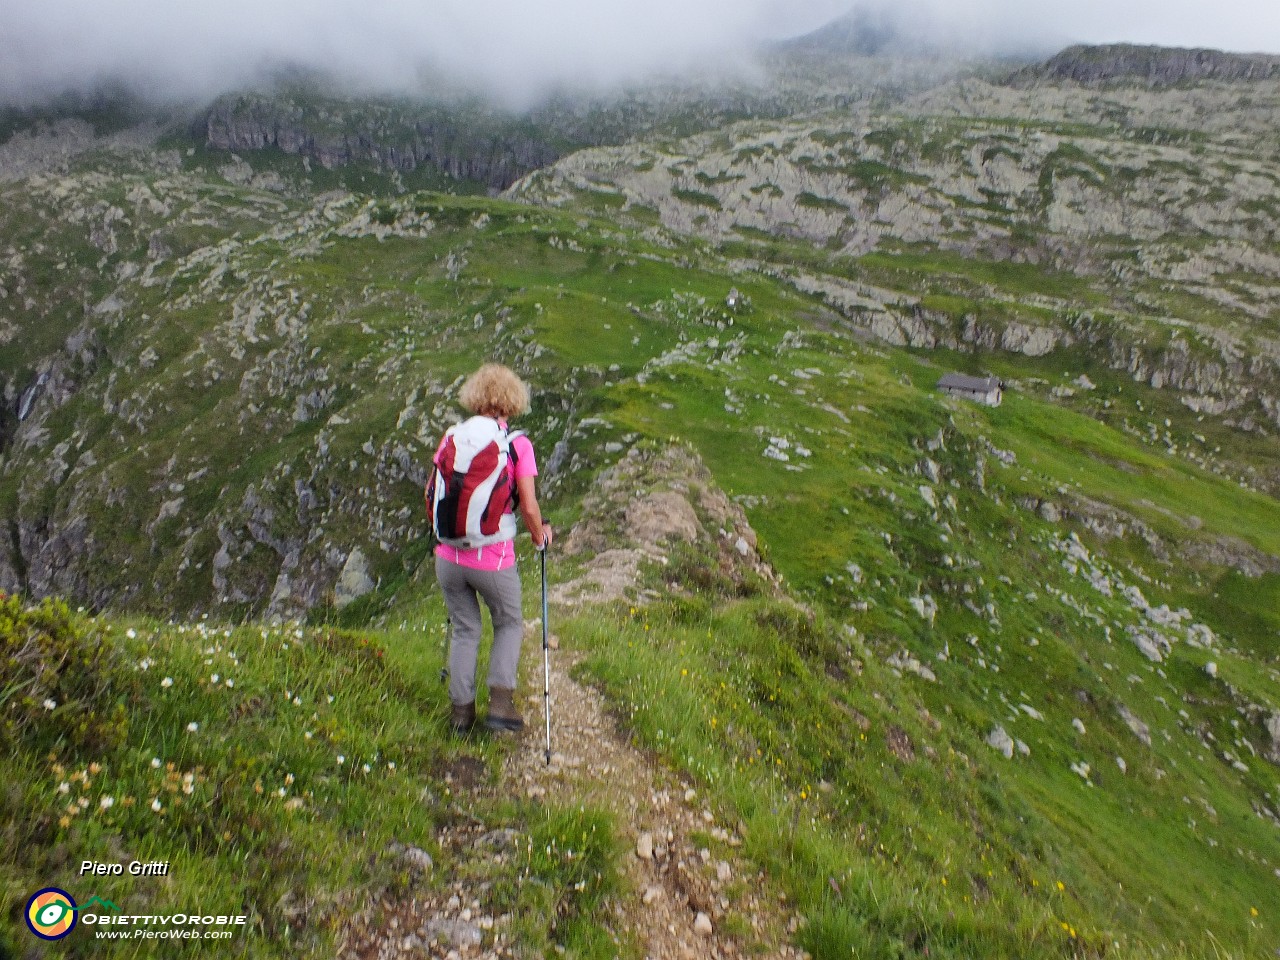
point(512, 459)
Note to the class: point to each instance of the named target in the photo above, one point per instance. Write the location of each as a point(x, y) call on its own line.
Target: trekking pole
point(448, 642)
point(546, 655)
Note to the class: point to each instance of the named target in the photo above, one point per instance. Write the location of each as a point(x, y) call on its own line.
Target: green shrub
point(58, 679)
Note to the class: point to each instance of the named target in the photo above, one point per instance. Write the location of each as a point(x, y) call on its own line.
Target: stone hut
point(986, 390)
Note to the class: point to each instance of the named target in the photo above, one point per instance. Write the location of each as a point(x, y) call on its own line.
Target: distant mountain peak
point(1152, 65)
point(861, 32)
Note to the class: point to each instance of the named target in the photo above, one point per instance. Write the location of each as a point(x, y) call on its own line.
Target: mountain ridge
point(1153, 65)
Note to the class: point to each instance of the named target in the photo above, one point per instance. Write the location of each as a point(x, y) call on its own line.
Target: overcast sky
point(521, 47)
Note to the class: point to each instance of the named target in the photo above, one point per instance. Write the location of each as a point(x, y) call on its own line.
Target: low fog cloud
point(995, 26)
point(520, 49)
point(513, 47)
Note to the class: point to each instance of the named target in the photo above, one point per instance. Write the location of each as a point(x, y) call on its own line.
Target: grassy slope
point(312, 753)
point(1113, 844)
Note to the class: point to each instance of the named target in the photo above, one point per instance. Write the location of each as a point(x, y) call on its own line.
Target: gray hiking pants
point(463, 589)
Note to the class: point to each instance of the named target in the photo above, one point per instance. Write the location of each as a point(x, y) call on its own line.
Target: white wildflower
point(192, 727)
point(106, 803)
point(131, 633)
point(155, 763)
point(64, 787)
point(214, 678)
point(367, 768)
point(230, 682)
point(50, 703)
point(341, 759)
point(156, 805)
point(167, 682)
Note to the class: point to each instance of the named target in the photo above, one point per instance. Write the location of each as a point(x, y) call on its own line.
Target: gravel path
point(688, 885)
point(687, 893)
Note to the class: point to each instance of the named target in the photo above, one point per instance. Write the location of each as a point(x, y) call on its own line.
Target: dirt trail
point(683, 898)
point(687, 893)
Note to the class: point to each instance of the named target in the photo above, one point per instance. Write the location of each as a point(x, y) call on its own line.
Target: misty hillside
point(844, 665)
point(1136, 226)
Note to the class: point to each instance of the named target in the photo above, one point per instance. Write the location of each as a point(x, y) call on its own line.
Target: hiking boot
point(502, 710)
point(463, 718)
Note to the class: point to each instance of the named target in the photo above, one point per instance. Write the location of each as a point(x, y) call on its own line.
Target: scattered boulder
point(1273, 730)
point(905, 662)
point(415, 858)
point(1000, 740)
point(1136, 726)
point(644, 846)
point(1154, 646)
point(354, 581)
point(926, 606)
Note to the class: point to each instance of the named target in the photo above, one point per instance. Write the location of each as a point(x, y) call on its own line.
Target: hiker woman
point(482, 473)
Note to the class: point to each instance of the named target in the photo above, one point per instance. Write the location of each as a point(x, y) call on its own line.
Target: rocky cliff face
point(495, 153)
point(1156, 66)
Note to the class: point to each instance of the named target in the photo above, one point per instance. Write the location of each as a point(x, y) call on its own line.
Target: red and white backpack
point(473, 484)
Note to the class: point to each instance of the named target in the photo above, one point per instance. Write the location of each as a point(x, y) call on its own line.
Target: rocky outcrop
point(1155, 66)
point(355, 580)
point(496, 153)
point(641, 508)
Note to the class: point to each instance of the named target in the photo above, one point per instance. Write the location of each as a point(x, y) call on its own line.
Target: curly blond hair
point(495, 391)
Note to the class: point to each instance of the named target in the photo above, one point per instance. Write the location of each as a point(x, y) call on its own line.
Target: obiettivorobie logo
point(52, 912)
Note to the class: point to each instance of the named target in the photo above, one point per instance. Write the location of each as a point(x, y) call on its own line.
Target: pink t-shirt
point(494, 556)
